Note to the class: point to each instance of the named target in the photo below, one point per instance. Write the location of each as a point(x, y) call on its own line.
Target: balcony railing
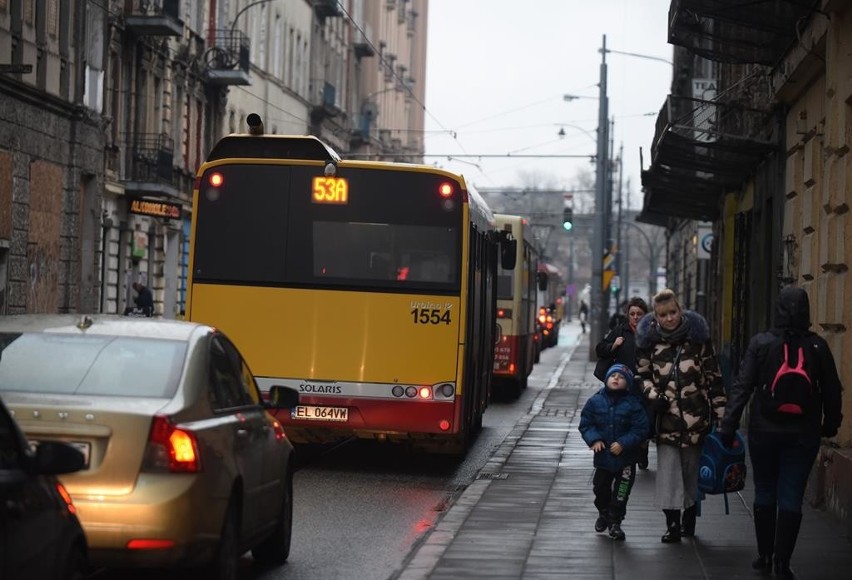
point(326, 8)
point(150, 168)
point(156, 18)
point(325, 104)
point(734, 31)
point(362, 46)
point(227, 59)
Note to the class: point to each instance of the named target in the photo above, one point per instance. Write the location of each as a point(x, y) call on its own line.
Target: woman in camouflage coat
point(676, 366)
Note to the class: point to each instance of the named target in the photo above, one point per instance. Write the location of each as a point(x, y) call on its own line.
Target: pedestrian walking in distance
point(584, 315)
point(677, 366)
point(619, 346)
point(786, 420)
point(614, 424)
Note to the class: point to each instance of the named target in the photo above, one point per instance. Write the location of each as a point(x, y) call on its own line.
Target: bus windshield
point(376, 229)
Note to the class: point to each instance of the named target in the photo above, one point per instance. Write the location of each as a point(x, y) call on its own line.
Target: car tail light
point(66, 497)
point(171, 449)
point(150, 544)
point(279, 431)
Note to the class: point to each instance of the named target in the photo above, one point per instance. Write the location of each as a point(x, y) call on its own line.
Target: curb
point(432, 547)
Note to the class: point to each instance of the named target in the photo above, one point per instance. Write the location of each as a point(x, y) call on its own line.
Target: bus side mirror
point(541, 278)
point(508, 251)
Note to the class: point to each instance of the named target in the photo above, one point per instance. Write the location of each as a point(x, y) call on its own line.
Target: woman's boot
point(764, 531)
point(643, 455)
point(672, 534)
point(786, 533)
point(687, 526)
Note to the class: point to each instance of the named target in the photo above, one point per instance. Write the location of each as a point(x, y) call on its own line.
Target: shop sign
point(161, 209)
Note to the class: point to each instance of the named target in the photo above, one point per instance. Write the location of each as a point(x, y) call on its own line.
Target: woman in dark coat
point(783, 451)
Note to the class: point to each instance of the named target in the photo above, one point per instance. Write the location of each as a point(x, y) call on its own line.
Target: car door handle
point(242, 433)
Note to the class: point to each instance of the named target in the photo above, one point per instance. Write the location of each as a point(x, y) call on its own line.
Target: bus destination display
point(333, 190)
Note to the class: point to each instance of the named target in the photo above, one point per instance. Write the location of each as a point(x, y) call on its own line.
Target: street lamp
point(234, 23)
point(598, 315)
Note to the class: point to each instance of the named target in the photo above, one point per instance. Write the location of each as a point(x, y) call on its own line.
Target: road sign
point(608, 260)
point(607, 278)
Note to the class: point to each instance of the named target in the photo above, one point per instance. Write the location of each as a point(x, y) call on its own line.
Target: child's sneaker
point(615, 531)
point(601, 523)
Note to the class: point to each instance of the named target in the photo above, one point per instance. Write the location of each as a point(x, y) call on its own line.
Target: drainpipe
point(106, 226)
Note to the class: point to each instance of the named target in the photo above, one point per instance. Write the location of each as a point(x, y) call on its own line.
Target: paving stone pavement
point(530, 515)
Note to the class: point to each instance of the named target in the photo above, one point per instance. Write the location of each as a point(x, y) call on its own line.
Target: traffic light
point(568, 219)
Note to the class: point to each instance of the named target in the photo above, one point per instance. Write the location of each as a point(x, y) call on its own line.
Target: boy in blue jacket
point(614, 423)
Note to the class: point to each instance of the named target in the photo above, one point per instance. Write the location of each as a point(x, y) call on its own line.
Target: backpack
point(722, 470)
point(788, 391)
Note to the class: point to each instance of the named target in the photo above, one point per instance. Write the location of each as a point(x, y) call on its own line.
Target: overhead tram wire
point(396, 75)
point(486, 155)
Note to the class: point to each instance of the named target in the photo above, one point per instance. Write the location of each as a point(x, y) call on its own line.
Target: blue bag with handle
point(722, 470)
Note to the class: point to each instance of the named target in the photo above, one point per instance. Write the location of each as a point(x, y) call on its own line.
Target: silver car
point(184, 466)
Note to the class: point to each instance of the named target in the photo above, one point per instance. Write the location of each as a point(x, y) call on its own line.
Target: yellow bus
point(515, 352)
point(369, 287)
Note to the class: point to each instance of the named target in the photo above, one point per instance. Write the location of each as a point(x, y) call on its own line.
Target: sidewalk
point(529, 513)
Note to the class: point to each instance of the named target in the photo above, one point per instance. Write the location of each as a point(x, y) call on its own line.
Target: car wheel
point(275, 549)
point(226, 563)
point(76, 568)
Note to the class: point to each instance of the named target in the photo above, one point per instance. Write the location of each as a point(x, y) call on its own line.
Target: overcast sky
point(497, 71)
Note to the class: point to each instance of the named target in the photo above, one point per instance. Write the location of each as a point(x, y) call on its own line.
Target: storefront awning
point(701, 148)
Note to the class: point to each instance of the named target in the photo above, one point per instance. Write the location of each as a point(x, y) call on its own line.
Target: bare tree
point(537, 180)
point(583, 190)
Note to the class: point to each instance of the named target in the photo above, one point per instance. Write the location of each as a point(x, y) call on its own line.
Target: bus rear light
point(398, 391)
point(411, 392)
point(216, 179)
point(536, 337)
point(447, 390)
point(444, 425)
point(512, 368)
point(425, 393)
point(445, 189)
point(546, 332)
point(504, 313)
point(542, 319)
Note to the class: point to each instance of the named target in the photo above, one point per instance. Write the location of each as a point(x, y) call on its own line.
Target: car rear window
point(90, 365)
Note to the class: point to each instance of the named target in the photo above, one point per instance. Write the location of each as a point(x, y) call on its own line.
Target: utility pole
point(625, 277)
point(596, 308)
point(618, 261)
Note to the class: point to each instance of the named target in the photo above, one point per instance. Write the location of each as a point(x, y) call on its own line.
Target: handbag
point(601, 367)
point(603, 364)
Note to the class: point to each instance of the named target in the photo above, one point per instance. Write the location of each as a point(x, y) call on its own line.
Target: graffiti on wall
point(44, 237)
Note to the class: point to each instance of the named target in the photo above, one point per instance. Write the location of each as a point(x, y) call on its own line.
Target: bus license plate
point(312, 413)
